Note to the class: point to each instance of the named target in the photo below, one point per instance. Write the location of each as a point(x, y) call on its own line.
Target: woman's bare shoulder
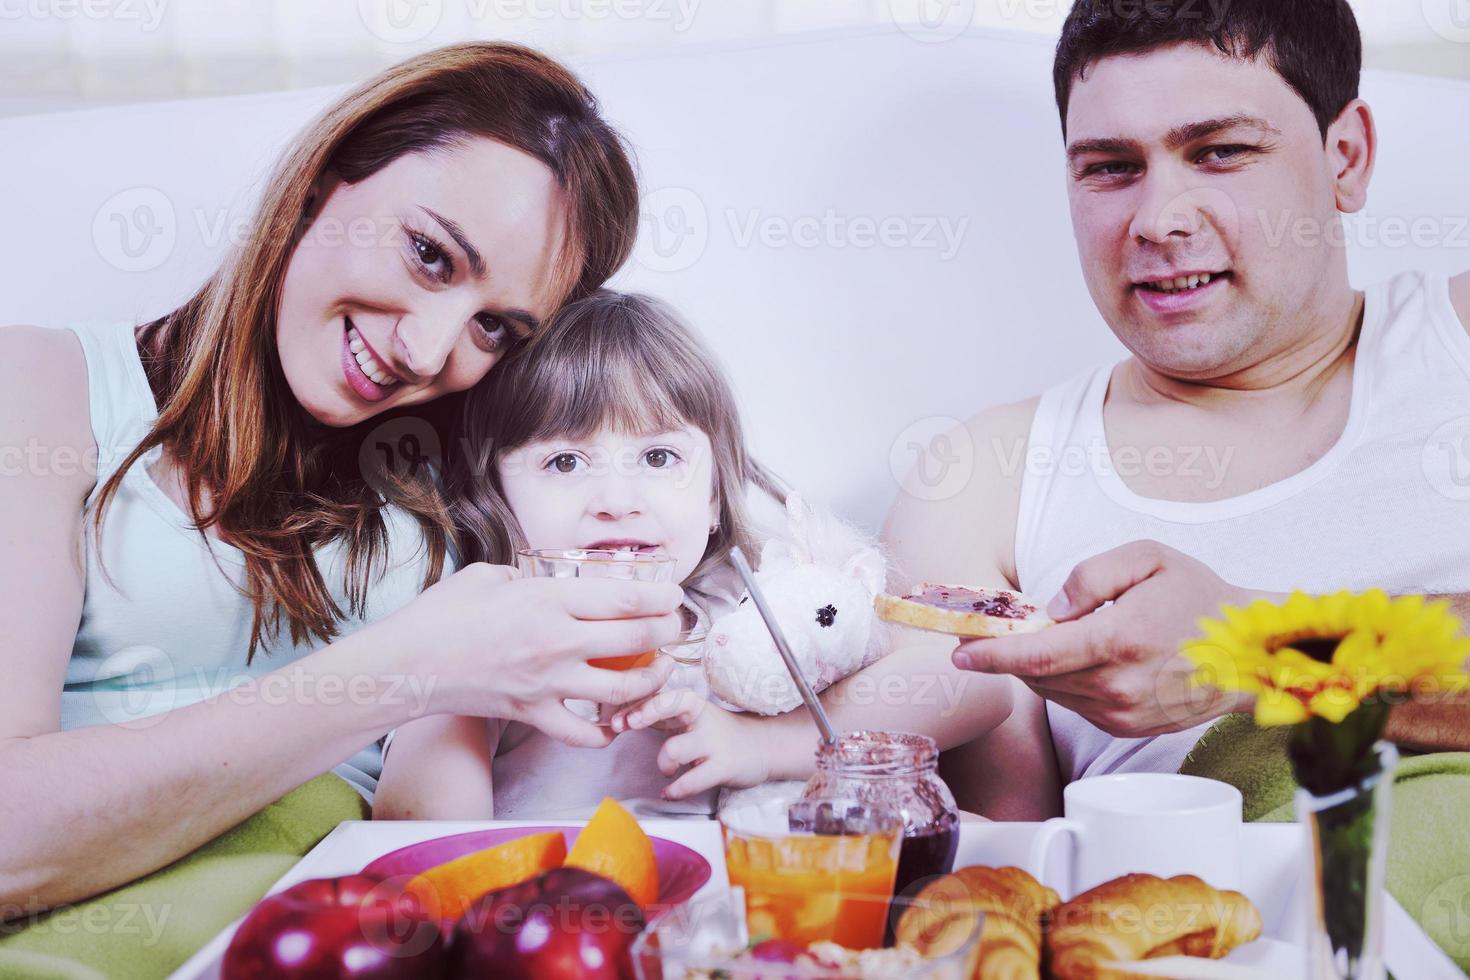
point(43, 388)
point(28, 348)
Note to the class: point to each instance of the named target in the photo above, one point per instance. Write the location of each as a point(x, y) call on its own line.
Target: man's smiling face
point(1187, 168)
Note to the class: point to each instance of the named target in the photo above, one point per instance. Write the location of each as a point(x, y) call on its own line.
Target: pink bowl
point(681, 871)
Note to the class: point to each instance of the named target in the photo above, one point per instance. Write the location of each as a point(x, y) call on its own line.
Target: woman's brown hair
point(274, 482)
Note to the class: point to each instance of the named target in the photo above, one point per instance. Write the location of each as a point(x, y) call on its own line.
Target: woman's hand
point(489, 643)
point(719, 748)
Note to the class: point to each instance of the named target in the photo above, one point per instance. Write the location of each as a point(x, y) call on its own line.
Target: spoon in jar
point(819, 715)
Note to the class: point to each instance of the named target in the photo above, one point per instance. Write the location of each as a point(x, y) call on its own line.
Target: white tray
point(1272, 879)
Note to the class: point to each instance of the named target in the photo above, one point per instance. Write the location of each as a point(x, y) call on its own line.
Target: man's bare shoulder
point(955, 516)
point(1460, 297)
point(999, 437)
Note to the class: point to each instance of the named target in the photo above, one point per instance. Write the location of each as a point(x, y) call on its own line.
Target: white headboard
point(799, 197)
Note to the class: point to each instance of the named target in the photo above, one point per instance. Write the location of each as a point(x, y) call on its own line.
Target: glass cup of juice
point(823, 871)
point(627, 565)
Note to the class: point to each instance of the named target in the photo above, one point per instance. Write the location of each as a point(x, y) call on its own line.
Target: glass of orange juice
point(629, 565)
point(822, 871)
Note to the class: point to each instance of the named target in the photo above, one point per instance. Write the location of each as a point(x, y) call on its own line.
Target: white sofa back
point(871, 230)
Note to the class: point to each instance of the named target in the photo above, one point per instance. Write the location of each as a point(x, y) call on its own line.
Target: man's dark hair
point(1314, 45)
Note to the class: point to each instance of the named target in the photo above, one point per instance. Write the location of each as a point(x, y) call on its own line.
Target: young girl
point(615, 428)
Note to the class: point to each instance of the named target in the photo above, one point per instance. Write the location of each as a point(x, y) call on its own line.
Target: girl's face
point(412, 283)
point(654, 493)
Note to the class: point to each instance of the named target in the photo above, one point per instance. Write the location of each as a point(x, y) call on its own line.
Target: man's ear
point(1352, 149)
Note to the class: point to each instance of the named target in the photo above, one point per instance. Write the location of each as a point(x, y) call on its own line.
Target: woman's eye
point(430, 253)
point(494, 330)
point(659, 458)
point(564, 463)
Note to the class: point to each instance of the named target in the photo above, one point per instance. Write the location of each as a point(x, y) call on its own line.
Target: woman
point(416, 232)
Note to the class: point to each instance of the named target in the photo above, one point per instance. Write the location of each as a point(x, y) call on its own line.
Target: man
point(1193, 137)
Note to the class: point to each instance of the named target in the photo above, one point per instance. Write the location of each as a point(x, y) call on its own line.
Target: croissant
point(1139, 917)
point(1014, 904)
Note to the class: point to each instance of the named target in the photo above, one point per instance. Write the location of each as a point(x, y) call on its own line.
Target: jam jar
point(898, 771)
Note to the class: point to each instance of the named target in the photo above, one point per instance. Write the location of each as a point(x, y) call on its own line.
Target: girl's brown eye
point(565, 463)
point(658, 458)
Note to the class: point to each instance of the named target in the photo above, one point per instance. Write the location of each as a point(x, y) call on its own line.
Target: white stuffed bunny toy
point(819, 580)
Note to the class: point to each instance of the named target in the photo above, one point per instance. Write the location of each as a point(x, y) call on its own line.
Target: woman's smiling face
point(413, 282)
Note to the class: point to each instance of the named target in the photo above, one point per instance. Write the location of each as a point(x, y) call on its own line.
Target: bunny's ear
point(799, 516)
point(869, 568)
point(777, 555)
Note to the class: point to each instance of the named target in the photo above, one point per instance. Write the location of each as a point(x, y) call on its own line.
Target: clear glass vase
point(1347, 841)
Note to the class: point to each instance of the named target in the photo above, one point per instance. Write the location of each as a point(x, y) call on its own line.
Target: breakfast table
point(1271, 876)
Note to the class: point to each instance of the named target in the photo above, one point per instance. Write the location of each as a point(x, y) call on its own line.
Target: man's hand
point(718, 747)
point(1119, 665)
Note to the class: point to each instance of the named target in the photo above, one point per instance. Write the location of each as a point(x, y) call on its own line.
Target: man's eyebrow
point(1177, 137)
point(1113, 145)
point(1195, 131)
point(477, 263)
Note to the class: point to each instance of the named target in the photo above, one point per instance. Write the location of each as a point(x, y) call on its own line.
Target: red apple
point(564, 923)
point(357, 926)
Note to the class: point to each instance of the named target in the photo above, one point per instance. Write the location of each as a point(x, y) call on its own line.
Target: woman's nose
point(424, 344)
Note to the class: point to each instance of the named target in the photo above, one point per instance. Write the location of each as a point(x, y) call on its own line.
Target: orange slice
point(448, 889)
point(625, 663)
point(614, 846)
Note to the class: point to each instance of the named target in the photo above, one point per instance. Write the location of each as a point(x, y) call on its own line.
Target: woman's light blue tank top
point(166, 626)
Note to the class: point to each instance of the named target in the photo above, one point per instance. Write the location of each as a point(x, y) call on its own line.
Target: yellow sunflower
point(1321, 656)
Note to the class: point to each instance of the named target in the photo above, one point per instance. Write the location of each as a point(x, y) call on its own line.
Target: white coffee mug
point(1150, 823)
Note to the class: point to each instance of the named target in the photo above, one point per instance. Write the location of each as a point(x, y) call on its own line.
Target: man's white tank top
point(1387, 506)
point(168, 625)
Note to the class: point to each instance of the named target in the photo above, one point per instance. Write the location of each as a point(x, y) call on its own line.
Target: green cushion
point(148, 928)
point(1428, 847)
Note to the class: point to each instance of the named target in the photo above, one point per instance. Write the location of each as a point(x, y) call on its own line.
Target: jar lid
point(879, 753)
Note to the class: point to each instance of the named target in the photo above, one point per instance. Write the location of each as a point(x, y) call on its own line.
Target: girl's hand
point(719, 748)
point(488, 643)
